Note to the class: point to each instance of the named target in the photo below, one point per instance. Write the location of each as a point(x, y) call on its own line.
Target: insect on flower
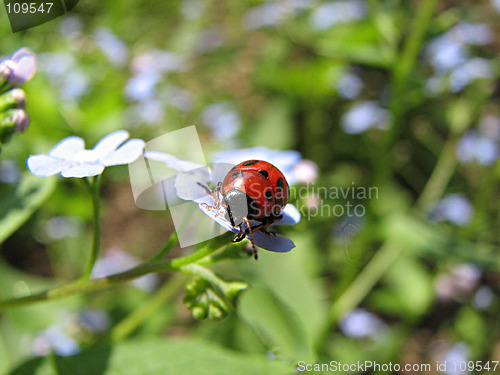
point(252, 190)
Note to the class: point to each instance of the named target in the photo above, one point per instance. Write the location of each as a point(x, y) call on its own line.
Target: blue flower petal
point(67, 148)
point(44, 166)
point(110, 143)
point(127, 153)
point(277, 244)
point(83, 170)
point(291, 215)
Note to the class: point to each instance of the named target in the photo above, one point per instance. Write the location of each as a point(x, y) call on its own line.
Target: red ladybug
point(252, 190)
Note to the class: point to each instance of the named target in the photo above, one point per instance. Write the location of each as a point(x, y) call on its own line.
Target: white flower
point(70, 158)
point(187, 186)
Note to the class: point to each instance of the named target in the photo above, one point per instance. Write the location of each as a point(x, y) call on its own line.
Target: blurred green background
point(397, 95)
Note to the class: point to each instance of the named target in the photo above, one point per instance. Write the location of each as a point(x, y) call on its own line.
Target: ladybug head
point(238, 205)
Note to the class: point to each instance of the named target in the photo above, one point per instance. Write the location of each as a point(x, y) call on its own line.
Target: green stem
point(206, 274)
point(96, 240)
point(404, 66)
point(365, 281)
point(440, 176)
point(172, 241)
point(132, 322)
point(85, 286)
point(402, 73)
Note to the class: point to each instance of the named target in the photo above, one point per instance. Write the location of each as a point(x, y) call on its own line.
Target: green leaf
point(274, 322)
point(357, 42)
point(293, 277)
point(17, 203)
point(411, 291)
point(155, 356)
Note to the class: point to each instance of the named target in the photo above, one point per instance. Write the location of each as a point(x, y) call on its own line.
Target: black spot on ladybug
point(279, 201)
point(264, 173)
point(250, 162)
point(280, 183)
point(238, 174)
point(233, 168)
point(269, 196)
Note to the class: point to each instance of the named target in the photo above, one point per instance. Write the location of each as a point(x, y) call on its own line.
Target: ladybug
point(252, 190)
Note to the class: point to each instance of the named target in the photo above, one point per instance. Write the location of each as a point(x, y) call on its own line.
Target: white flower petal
point(278, 244)
point(127, 153)
point(187, 187)
point(172, 162)
point(43, 165)
point(67, 148)
point(110, 143)
point(217, 215)
point(291, 215)
point(83, 170)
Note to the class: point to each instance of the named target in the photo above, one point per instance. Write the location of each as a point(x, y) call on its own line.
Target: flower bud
point(20, 68)
point(11, 121)
point(15, 98)
point(203, 301)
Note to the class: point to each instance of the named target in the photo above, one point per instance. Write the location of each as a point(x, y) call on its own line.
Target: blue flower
point(445, 53)
point(483, 298)
point(142, 85)
point(496, 5)
point(449, 53)
point(9, 172)
point(453, 208)
point(469, 71)
point(222, 120)
point(329, 14)
point(471, 33)
point(20, 68)
point(475, 147)
point(273, 13)
point(363, 116)
point(63, 71)
point(115, 261)
point(159, 61)
point(360, 323)
point(70, 158)
point(349, 86)
point(94, 321)
point(113, 47)
point(459, 353)
point(54, 339)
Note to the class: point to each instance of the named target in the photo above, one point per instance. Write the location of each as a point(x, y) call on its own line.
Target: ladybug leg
point(250, 234)
point(214, 194)
point(205, 187)
point(240, 236)
point(268, 232)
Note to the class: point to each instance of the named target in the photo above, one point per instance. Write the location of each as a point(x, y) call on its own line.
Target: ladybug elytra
point(252, 190)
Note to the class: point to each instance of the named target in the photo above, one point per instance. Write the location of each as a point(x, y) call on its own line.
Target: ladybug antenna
point(250, 234)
